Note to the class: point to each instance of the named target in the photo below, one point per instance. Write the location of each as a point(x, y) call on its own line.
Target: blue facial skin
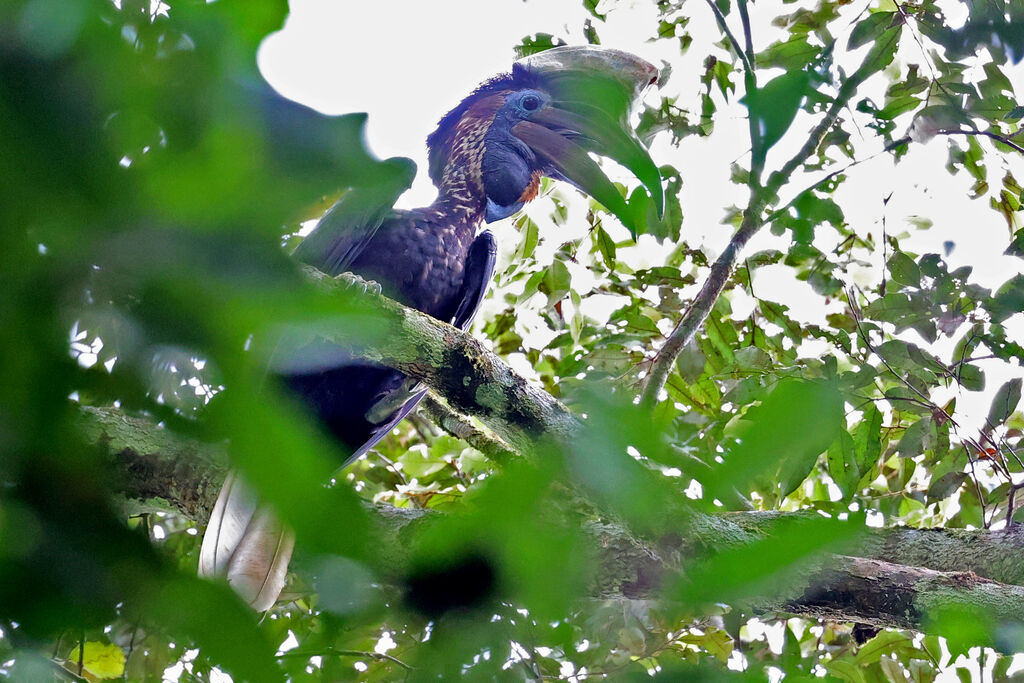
point(508, 163)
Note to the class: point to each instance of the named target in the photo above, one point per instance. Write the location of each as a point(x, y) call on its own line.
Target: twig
point(983, 133)
point(926, 400)
point(698, 311)
point(461, 428)
point(757, 149)
point(736, 45)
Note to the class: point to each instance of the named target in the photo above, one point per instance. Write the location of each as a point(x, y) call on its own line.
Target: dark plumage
point(486, 158)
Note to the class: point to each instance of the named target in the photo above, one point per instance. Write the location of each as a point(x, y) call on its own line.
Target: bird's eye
point(531, 102)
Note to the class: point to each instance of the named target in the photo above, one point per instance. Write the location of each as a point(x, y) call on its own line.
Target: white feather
point(245, 543)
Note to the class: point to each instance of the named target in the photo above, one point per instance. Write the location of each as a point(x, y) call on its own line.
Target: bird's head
point(543, 119)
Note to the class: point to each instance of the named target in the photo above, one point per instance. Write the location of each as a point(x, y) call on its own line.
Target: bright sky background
point(407, 62)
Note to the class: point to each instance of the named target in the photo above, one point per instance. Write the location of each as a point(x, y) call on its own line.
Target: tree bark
point(471, 378)
point(899, 577)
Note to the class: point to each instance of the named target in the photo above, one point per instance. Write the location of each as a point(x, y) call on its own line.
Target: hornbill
point(486, 158)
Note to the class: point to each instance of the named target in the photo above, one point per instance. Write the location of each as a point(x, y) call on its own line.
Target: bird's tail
point(247, 544)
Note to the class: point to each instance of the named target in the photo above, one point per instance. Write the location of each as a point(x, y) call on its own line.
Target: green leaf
point(904, 270)
point(886, 642)
point(775, 104)
point(1004, 402)
point(1016, 246)
point(793, 425)
point(793, 54)
point(946, 485)
point(538, 42)
point(870, 29)
point(882, 52)
point(867, 438)
point(1008, 299)
point(912, 442)
point(557, 282)
point(691, 362)
point(530, 235)
point(846, 671)
point(841, 459)
point(971, 377)
point(607, 247)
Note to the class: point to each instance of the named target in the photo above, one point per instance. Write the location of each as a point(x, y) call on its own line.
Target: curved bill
point(594, 130)
point(631, 72)
point(574, 164)
point(593, 91)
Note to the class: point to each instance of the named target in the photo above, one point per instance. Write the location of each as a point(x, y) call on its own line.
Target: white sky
point(407, 62)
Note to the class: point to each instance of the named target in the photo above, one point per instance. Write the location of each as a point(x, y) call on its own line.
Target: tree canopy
point(746, 447)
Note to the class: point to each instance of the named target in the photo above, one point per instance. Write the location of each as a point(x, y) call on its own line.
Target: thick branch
point(153, 468)
point(901, 576)
point(892, 595)
point(472, 379)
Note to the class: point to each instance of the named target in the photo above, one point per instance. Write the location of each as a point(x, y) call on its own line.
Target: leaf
point(691, 362)
point(793, 54)
point(775, 104)
point(101, 660)
point(886, 642)
point(530, 236)
point(1004, 402)
point(912, 442)
point(870, 29)
point(538, 42)
point(845, 671)
point(946, 485)
point(1016, 246)
point(1008, 299)
point(607, 247)
point(867, 438)
point(971, 377)
point(904, 270)
point(841, 459)
point(791, 427)
point(556, 283)
point(881, 53)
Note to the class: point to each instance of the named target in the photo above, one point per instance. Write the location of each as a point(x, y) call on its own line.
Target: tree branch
point(753, 221)
point(472, 379)
point(461, 428)
point(901, 576)
point(983, 133)
point(737, 47)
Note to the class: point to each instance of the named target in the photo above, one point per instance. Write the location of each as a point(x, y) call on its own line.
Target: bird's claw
point(351, 280)
point(387, 405)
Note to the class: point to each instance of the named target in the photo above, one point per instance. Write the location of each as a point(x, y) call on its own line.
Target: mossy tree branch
point(471, 378)
point(897, 579)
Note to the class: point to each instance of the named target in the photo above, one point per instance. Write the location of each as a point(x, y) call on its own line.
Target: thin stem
point(737, 47)
point(983, 133)
point(757, 149)
point(698, 311)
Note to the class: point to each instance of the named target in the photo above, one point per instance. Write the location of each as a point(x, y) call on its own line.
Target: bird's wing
point(348, 226)
point(479, 269)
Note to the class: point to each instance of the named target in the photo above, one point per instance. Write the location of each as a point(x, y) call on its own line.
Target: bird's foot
point(351, 280)
point(387, 405)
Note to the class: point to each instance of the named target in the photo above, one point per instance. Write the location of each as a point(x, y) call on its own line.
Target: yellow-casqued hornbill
point(486, 158)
